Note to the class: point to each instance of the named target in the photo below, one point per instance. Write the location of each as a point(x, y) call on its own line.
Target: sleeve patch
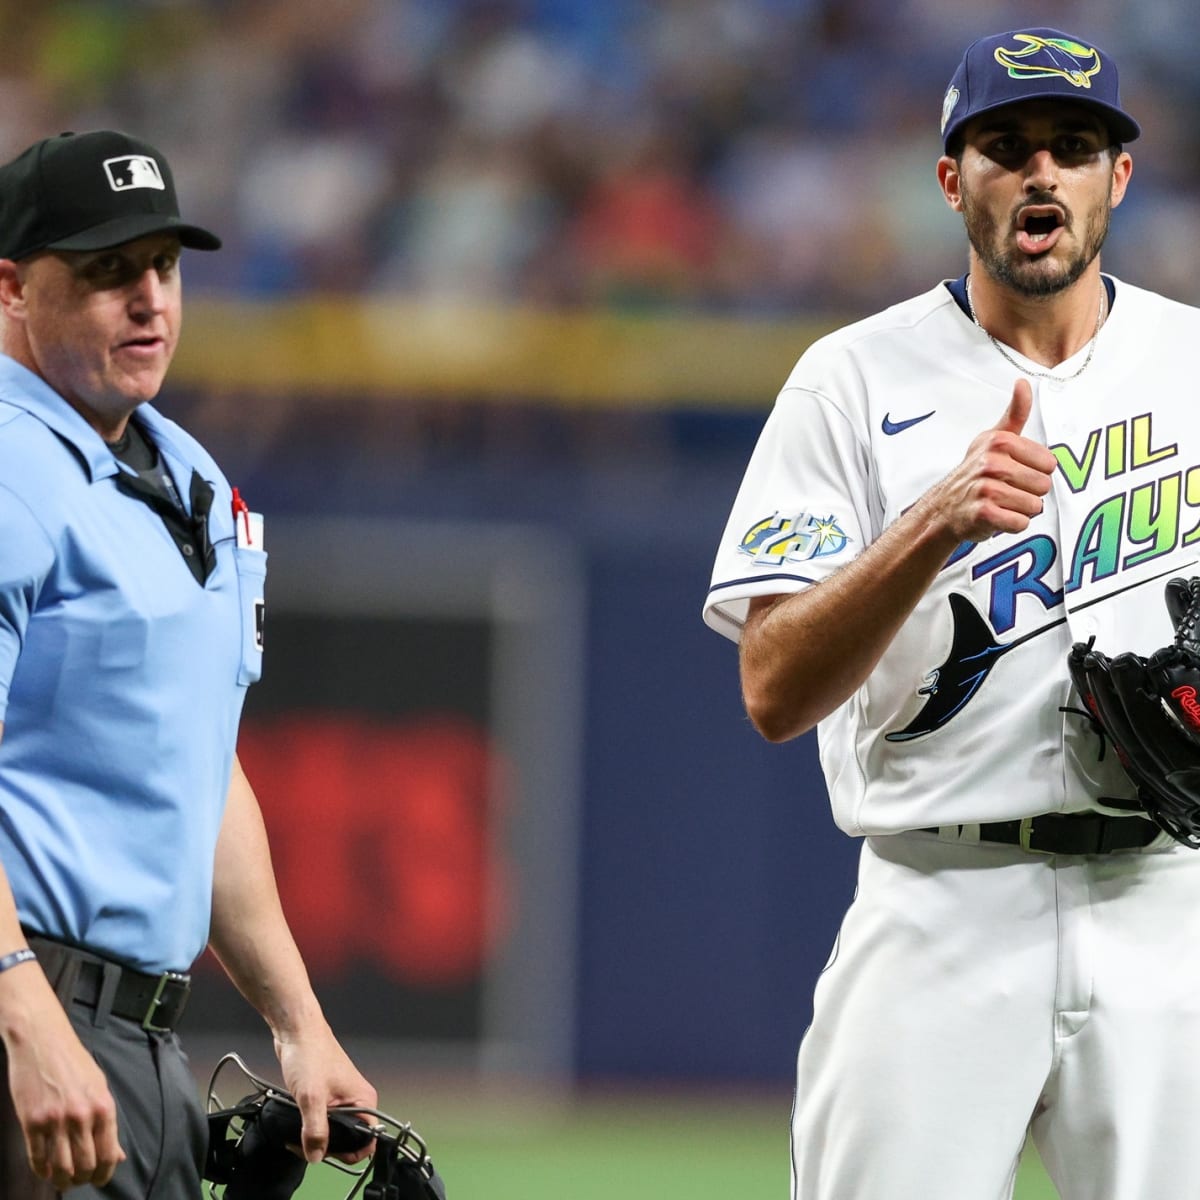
point(792, 538)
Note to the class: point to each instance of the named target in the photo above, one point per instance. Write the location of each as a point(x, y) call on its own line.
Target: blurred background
point(508, 288)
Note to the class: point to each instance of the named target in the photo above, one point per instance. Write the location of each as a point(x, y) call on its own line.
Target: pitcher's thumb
point(1019, 408)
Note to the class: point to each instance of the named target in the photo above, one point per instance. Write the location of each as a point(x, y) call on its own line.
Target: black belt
point(1070, 833)
point(155, 1002)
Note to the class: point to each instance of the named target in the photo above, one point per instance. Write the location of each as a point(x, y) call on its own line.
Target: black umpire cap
point(90, 191)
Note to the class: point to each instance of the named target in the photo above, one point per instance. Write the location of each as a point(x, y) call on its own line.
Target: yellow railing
point(335, 346)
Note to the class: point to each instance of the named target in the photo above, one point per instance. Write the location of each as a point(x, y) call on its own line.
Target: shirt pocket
point(251, 574)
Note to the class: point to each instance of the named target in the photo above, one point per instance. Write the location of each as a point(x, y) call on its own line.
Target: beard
point(1038, 275)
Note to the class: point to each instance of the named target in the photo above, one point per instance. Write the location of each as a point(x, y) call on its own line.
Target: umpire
point(130, 628)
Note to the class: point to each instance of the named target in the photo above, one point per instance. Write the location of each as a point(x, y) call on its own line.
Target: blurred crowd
point(746, 156)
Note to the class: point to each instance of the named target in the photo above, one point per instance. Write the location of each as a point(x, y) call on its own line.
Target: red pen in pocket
point(241, 519)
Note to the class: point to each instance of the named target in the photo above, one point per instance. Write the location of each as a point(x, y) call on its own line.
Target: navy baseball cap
point(89, 191)
point(1034, 64)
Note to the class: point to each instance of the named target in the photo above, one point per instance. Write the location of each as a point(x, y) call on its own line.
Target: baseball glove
point(249, 1158)
point(1149, 708)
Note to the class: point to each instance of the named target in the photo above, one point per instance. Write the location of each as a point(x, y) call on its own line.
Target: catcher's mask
point(249, 1159)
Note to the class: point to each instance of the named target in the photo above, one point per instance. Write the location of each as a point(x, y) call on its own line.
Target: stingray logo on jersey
point(950, 687)
point(792, 537)
point(1043, 58)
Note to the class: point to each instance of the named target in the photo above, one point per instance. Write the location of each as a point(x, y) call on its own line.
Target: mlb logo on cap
point(90, 191)
point(133, 171)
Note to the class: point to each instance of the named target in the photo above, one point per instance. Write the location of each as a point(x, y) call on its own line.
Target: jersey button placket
point(1059, 428)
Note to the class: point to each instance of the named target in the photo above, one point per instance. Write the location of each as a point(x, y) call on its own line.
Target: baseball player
point(945, 498)
point(130, 604)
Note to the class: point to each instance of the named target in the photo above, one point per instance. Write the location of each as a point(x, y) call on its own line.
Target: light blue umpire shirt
point(121, 684)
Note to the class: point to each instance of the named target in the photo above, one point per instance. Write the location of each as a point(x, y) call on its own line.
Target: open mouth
point(1039, 228)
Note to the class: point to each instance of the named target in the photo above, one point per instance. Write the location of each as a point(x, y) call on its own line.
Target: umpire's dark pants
point(160, 1120)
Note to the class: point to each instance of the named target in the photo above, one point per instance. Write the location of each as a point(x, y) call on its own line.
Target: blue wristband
point(15, 959)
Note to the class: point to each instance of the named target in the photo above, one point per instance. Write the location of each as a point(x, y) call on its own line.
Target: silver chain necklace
point(1045, 374)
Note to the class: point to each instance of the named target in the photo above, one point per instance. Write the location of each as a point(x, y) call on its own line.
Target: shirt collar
point(26, 390)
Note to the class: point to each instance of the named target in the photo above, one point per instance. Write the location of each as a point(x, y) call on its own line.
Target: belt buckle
point(1025, 836)
point(156, 1000)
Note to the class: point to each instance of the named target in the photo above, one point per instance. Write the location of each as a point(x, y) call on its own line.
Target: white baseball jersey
point(960, 721)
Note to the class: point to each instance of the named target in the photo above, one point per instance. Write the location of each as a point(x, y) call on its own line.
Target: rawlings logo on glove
point(1187, 701)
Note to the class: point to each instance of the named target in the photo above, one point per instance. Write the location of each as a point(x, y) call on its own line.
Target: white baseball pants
point(980, 991)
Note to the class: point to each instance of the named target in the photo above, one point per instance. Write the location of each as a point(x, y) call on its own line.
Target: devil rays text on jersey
point(1128, 529)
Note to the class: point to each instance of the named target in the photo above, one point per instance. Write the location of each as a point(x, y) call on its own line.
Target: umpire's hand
point(59, 1093)
point(320, 1076)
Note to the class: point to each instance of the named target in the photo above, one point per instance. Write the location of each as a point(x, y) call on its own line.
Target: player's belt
point(1068, 833)
point(155, 1002)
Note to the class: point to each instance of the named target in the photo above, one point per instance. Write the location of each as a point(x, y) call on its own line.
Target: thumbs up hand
point(1000, 484)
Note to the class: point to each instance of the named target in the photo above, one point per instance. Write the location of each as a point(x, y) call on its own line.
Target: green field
point(661, 1147)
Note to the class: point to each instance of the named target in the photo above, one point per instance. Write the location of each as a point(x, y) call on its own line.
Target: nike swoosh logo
point(891, 427)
